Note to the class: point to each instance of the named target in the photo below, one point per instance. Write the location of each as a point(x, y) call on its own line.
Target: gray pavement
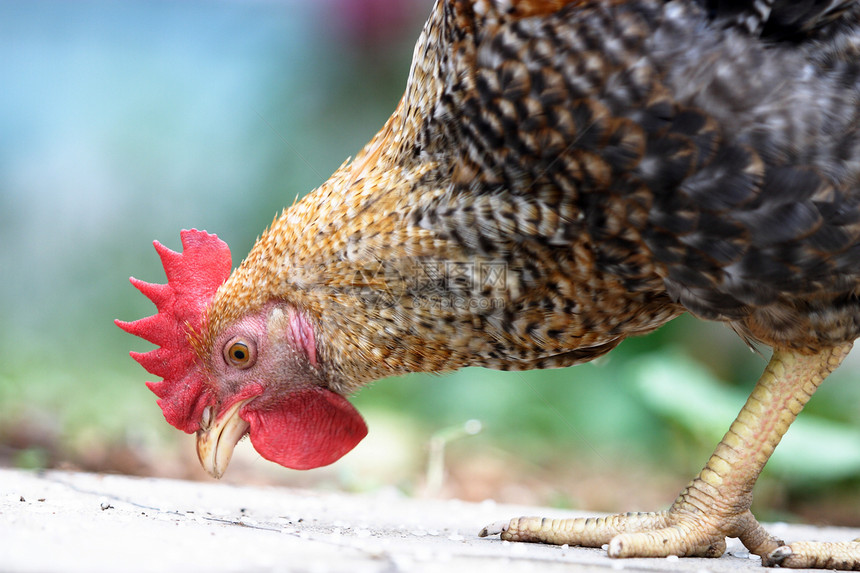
point(67, 522)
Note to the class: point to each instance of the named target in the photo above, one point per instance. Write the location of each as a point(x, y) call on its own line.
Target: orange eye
point(239, 353)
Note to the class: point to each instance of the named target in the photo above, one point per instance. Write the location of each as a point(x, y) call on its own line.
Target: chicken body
point(560, 175)
point(554, 182)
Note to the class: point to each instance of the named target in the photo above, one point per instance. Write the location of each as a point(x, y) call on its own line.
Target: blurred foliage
point(125, 122)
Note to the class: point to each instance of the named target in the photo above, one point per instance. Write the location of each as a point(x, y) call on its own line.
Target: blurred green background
point(123, 122)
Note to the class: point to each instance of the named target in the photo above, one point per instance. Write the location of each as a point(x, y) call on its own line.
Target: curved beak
point(215, 444)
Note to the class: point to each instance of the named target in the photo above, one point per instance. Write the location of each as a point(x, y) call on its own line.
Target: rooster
point(559, 175)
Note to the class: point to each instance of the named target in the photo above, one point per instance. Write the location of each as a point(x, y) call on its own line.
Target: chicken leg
point(715, 505)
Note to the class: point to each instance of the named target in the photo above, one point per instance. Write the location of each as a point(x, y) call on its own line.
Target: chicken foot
point(715, 505)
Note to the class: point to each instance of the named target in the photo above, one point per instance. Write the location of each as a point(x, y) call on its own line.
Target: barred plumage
point(656, 153)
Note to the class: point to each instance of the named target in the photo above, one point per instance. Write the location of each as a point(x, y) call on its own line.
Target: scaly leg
point(716, 503)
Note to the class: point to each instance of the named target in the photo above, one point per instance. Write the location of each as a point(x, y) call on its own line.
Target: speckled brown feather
point(561, 175)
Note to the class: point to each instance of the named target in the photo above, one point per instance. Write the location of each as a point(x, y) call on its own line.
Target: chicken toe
point(843, 556)
point(656, 534)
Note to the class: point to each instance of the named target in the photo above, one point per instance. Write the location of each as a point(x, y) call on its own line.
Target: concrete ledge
point(60, 521)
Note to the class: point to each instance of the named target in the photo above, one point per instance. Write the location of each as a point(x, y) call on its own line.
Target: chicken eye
point(239, 353)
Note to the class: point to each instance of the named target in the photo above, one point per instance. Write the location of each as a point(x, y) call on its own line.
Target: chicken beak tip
point(207, 450)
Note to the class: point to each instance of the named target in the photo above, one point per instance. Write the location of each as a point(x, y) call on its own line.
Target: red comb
point(193, 276)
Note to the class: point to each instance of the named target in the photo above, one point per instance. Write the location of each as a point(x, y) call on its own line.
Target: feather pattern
point(617, 163)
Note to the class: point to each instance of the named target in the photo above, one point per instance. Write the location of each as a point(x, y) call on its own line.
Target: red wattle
point(308, 428)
